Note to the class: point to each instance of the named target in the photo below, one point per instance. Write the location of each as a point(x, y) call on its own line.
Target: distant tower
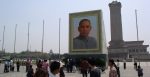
point(120, 49)
point(116, 25)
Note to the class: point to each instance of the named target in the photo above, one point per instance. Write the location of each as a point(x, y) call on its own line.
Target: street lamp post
point(15, 39)
point(0, 41)
point(59, 38)
point(3, 39)
point(42, 37)
point(28, 38)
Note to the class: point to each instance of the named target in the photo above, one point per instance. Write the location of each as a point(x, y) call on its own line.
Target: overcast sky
point(22, 12)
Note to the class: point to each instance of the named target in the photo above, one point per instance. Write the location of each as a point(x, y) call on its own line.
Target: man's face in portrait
point(84, 28)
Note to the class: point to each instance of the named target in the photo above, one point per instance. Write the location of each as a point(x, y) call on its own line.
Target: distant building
point(118, 48)
point(131, 50)
point(2, 53)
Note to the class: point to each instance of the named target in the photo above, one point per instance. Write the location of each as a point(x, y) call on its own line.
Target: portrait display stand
point(87, 36)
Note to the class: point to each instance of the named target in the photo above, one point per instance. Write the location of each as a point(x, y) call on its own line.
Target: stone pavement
point(129, 72)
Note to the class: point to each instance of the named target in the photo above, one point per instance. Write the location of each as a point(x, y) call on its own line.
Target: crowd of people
point(9, 65)
point(45, 69)
point(115, 68)
point(85, 67)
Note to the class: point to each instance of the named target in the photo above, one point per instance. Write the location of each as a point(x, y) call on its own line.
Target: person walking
point(124, 64)
point(61, 72)
point(40, 72)
point(118, 68)
point(18, 66)
point(30, 71)
point(95, 71)
point(28, 63)
point(135, 65)
point(54, 69)
point(6, 66)
point(84, 67)
point(113, 68)
point(45, 65)
point(140, 71)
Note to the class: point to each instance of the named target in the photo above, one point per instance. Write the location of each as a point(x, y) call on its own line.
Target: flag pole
point(137, 25)
point(15, 39)
point(59, 38)
point(28, 37)
point(3, 40)
point(42, 37)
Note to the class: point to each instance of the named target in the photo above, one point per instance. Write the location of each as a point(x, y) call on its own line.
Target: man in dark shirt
point(18, 66)
point(84, 41)
point(95, 71)
point(84, 66)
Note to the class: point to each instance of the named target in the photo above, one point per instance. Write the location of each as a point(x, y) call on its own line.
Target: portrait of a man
point(83, 40)
point(84, 31)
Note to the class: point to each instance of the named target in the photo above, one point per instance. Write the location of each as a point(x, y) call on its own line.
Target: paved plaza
point(129, 72)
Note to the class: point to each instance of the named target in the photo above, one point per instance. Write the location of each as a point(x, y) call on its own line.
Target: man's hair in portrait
point(80, 23)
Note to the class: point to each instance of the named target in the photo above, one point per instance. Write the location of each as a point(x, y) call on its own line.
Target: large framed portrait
point(85, 32)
